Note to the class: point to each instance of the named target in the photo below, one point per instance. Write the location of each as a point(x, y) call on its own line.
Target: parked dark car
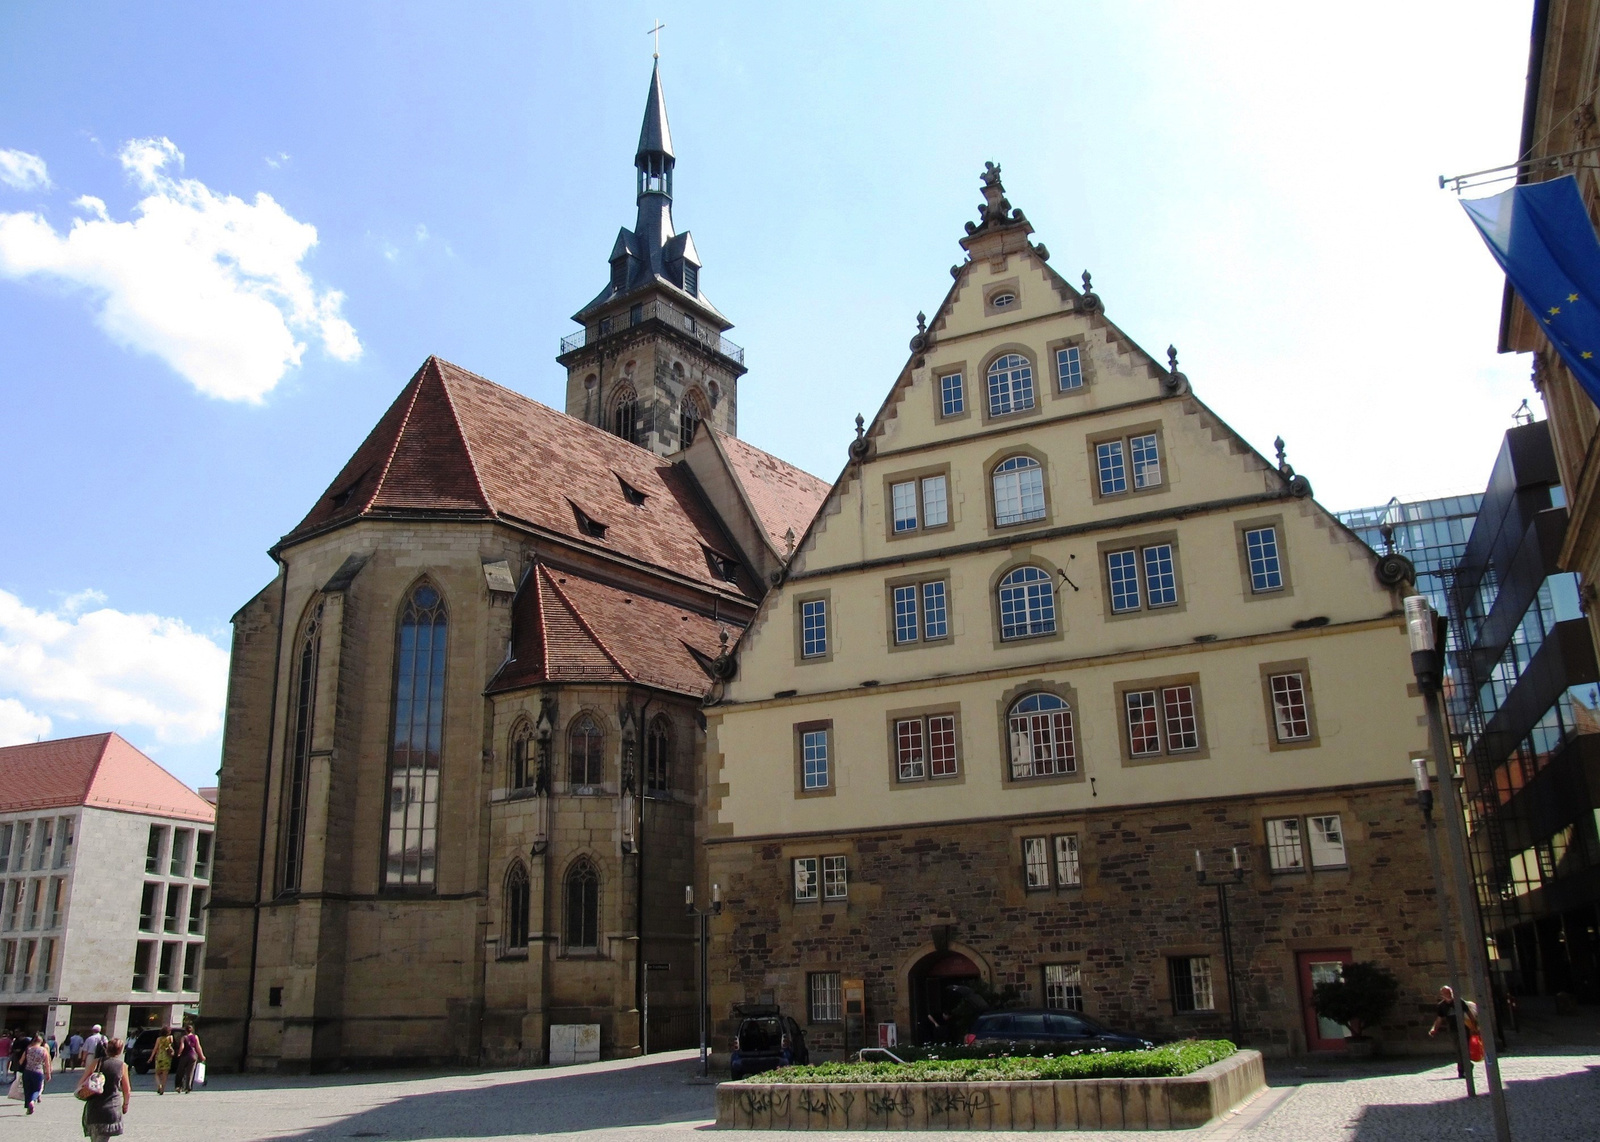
point(138, 1052)
point(766, 1039)
point(1038, 1026)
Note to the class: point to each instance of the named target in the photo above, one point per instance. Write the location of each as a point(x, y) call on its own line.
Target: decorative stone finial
point(991, 175)
point(1174, 381)
point(860, 445)
point(788, 542)
point(1172, 358)
point(1089, 301)
point(1387, 531)
point(1088, 282)
point(922, 327)
point(1282, 452)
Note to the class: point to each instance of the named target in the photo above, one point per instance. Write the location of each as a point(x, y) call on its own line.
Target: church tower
point(650, 363)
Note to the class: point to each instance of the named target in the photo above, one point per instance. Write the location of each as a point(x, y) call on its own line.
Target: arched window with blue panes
point(1027, 603)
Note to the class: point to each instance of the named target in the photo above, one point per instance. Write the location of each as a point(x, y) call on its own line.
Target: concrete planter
point(1069, 1104)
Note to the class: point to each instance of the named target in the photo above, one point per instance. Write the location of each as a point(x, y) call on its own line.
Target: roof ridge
point(589, 630)
point(394, 442)
point(461, 430)
point(541, 575)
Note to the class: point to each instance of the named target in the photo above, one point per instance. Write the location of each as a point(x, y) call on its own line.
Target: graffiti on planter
point(948, 1102)
point(755, 1102)
point(826, 1102)
point(890, 1102)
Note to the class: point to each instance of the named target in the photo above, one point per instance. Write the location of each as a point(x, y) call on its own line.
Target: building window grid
point(1123, 569)
point(1027, 603)
point(1183, 729)
point(1146, 456)
point(952, 396)
point(1290, 712)
point(1112, 468)
point(1069, 872)
point(1035, 864)
point(1191, 984)
point(905, 614)
point(1160, 576)
point(903, 497)
point(1063, 987)
point(935, 619)
point(1042, 739)
point(805, 878)
point(1018, 483)
point(1284, 850)
point(814, 759)
point(925, 747)
point(826, 1004)
point(1010, 385)
point(1326, 835)
point(813, 628)
point(1069, 368)
point(1169, 712)
point(835, 878)
point(1261, 548)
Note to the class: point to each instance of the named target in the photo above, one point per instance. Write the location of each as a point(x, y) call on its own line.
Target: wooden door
point(1317, 967)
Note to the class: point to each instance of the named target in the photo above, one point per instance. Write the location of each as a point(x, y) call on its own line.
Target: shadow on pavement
point(1557, 1108)
point(652, 1094)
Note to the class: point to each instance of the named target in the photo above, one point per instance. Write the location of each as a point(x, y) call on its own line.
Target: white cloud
point(208, 282)
point(19, 724)
point(107, 669)
point(22, 171)
point(278, 160)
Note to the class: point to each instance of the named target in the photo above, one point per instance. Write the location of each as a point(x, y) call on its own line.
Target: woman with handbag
point(106, 1092)
point(35, 1072)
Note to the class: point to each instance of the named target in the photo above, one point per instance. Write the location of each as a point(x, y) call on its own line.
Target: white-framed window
point(1160, 578)
point(1285, 852)
point(1003, 300)
point(930, 493)
point(1027, 603)
point(1261, 550)
point(1063, 987)
point(1069, 368)
point(814, 759)
point(1327, 841)
point(813, 628)
point(805, 878)
point(1018, 483)
point(1069, 873)
point(1035, 863)
point(952, 394)
point(1191, 983)
point(1291, 713)
point(921, 612)
point(1041, 735)
point(835, 878)
point(1115, 458)
point(1162, 720)
point(925, 747)
point(826, 1004)
point(1010, 385)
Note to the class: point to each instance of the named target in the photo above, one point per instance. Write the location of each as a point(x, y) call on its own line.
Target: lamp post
point(1419, 769)
point(705, 934)
point(1426, 631)
point(1221, 883)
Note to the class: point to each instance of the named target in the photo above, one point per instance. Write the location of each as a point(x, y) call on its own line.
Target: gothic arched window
point(418, 739)
point(586, 745)
point(658, 757)
point(690, 416)
point(522, 760)
point(625, 414)
point(581, 931)
point(1027, 603)
point(515, 903)
point(304, 696)
point(1041, 737)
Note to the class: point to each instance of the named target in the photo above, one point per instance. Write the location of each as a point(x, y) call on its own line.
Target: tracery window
point(625, 414)
point(304, 696)
point(523, 763)
point(586, 744)
point(689, 419)
point(658, 757)
point(581, 930)
point(418, 740)
point(516, 907)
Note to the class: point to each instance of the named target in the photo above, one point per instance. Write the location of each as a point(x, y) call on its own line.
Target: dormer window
point(691, 280)
point(587, 524)
point(632, 494)
point(722, 566)
point(1003, 300)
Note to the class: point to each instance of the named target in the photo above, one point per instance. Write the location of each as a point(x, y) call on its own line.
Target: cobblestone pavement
point(1553, 1097)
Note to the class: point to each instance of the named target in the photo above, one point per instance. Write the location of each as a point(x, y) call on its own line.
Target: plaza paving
point(1554, 1096)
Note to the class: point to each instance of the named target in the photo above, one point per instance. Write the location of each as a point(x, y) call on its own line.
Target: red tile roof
point(566, 627)
point(784, 497)
point(457, 444)
point(102, 771)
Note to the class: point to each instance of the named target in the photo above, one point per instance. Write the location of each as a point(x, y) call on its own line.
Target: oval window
point(1003, 300)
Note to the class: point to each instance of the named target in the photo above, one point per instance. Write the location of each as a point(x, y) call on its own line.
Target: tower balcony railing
point(658, 310)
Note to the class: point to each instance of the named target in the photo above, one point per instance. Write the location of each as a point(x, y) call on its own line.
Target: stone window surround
point(1137, 544)
point(829, 626)
point(1011, 285)
point(1240, 526)
point(1068, 694)
point(1162, 990)
point(562, 778)
point(1165, 757)
point(940, 574)
point(1028, 354)
point(945, 709)
point(821, 898)
point(566, 951)
point(1044, 967)
point(800, 730)
point(1079, 341)
point(1303, 812)
point(1022, 557)
point(1125, 434)
point(1302, 667)
point(916, 476)
point(839, 981)
point(939, 372)
point(1033, 830)
point(994, 461)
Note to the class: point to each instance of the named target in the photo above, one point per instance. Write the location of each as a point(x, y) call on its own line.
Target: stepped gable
point(567, 627)
point(101, 771)
point(783, 497)
point(458, 445)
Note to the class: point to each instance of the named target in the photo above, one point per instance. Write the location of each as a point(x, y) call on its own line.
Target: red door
point(1318, 967)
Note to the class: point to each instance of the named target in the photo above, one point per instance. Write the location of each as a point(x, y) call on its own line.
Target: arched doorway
point(939, 982)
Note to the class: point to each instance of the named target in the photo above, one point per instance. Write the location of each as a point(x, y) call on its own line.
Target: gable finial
point(788, 543)
point(656, 32)
point(1088, 301)
point(1088, 282)
point(859, 446)
point(922, 327)
point(1278, 444)
point(1172, 358)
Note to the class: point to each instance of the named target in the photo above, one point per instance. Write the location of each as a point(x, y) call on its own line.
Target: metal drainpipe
point(638, 902)
point(266, 800)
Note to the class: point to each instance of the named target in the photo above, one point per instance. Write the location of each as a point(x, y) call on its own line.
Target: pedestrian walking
point(5, 1049)
point(74, 1051)
point(19, 1045)
point(103, 1112)
point(1444, 1019)
point(94, 1046)
point(190, 1056)
point(35, 1071)
point(161, 1056)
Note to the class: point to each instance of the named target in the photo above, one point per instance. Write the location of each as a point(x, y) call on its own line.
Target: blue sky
point(189, 363)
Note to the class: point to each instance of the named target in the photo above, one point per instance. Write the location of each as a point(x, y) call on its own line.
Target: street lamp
point(705, 937)
point(1419, 769)
point(1235, 877)
point(1426, 631)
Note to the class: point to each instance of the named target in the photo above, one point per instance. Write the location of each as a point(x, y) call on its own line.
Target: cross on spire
point(656, 32)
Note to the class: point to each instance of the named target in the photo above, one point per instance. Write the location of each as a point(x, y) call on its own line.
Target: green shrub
point(1170, 1061)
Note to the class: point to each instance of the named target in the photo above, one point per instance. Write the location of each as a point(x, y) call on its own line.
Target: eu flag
point(1541, 236)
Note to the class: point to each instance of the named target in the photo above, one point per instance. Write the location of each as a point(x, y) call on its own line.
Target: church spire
point(654, 136)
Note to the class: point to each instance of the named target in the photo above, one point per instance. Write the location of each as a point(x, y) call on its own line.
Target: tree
point(1360, 999)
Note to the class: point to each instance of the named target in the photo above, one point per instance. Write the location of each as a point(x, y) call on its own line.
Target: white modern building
point(105, 870)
